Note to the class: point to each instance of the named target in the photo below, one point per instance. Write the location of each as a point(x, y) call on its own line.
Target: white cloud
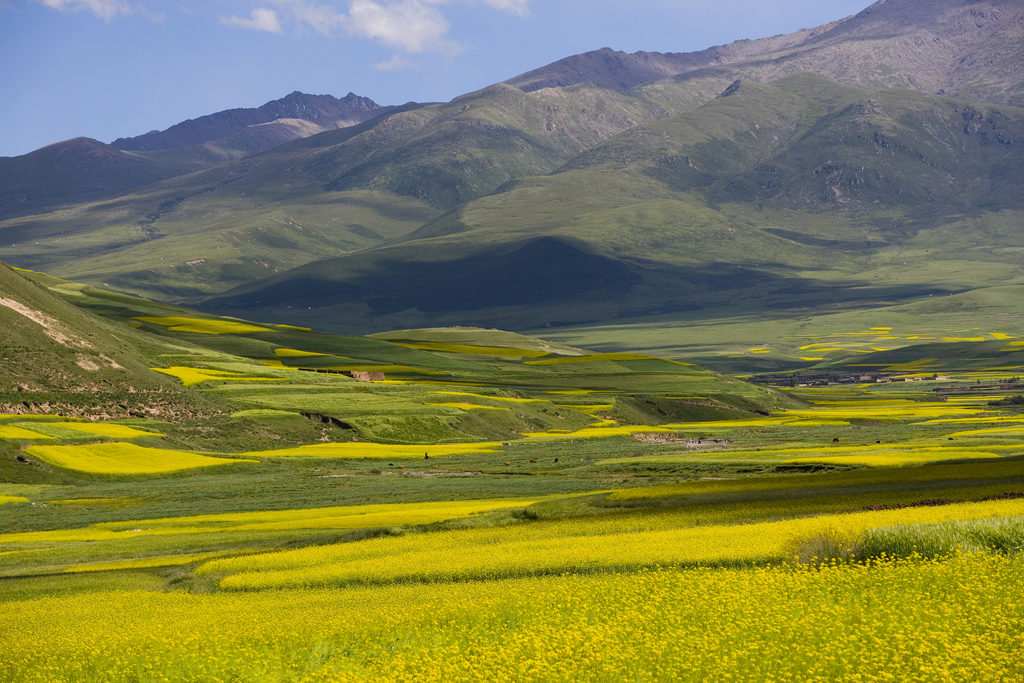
point(321, 18)
point(262, 20)
point(104, 9)
point(408, 25)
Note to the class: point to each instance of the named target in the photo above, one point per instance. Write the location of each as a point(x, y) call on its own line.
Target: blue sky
point(116, 68)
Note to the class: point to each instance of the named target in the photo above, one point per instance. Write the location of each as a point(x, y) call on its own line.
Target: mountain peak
point(295, 105)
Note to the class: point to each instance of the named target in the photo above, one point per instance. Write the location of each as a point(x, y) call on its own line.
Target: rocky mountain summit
point(970, 49)
point(326, 111)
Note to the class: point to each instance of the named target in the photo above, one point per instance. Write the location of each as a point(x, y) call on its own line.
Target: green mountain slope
point(333, 193)
point(79, 170)
point(779, 196)
point(804, 142)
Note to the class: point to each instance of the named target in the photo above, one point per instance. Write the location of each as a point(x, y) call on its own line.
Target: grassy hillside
point(333, 193)
point(53, 347)
point(796, 197)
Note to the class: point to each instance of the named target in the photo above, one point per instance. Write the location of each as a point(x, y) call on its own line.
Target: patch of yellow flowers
point(956, 620)
point(560, 547)
point(124, 458)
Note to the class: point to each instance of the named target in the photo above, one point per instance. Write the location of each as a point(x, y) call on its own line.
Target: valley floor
point(497, 507)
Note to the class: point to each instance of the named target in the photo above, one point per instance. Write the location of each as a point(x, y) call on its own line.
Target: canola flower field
point(562, 547)
point(124, 458)
point(955, 619)
point(494, 512)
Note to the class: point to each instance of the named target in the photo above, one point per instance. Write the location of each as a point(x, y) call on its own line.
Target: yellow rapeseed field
point(822, 419)
point(341, 517)
point(124, 458)
point(468, 406)
point(977, 420)
point(1011, 431)
point(4, 500)
point(886, 412)
point(203, 325)
point(359, 449)
point(598, 432)
point(401, 369)
point(145, 563)
point(283, 352)
point(898, 458)
point(190, 376)
point(489, 397)
point(592, 357)
point(947, 621)
point(113, 431)
point(558, 547)
point(469, 348)
point(834, 481)
point(12, 432)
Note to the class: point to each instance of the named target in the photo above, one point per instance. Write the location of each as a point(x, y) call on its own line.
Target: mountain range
point(863, 164)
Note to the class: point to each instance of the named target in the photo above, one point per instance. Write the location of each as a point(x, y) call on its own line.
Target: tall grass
point(1003, 535)
point(994, 535)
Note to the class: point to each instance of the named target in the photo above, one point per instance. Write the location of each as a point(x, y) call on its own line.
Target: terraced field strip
point(203, 325)
point(468, 406)
point(362, 450)
point(282, 352)
point(125, 459)
point(192, 376)
point(15, 432)
point(875, 455)
point(472, 349)
point(594, 357)
point(598, 432)
point(341, 517)
point(72, 429)
point(537, 550)
point(510, 399)
point(146, 563)
point(833, 483)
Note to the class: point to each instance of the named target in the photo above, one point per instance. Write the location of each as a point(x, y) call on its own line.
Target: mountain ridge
point(326, 110)
point(965, 48)
point(623, 71)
